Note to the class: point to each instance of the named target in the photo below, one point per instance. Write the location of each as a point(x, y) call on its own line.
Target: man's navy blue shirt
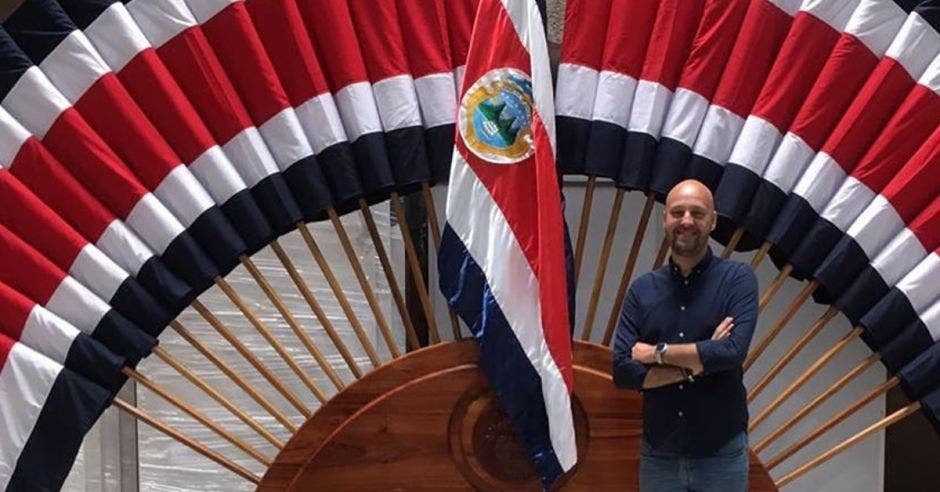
point(690, 419)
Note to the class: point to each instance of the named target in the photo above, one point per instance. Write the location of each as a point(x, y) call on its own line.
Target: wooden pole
point(415, 267)
point(344, 304)
point(832, 422)
point(583, 225)
point(733, 242)
point(196, 414)
point(317, 309)
point(661, 254)
point(602, 264)
point(238, 380)
point(819, 400)
point(781, 323)
point(629, 267)
point(186, 441)
point(842, 446)
point(774, 286)
point(436, 236)
point(804, 377)
point(270, 338)
point(299, 332)
point(761, 254)
point(221, 399)
point(233, 340)
point(794, 349)
point(364, 284)
point(411, 336)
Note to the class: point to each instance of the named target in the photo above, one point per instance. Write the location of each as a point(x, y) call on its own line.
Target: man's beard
point(689, 248)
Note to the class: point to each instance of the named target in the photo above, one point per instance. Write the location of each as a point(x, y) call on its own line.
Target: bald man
point(683, 334)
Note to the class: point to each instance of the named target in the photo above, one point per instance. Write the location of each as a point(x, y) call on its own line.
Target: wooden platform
point(428, 422)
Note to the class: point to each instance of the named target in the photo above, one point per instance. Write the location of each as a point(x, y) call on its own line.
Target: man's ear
point(714, 220)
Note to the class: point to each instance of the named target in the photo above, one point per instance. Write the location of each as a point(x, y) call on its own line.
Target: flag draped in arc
point(815, 125)
point(129, 180)
point(502, 259)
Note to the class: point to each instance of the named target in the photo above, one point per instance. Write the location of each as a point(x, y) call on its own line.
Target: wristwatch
point(660, 352)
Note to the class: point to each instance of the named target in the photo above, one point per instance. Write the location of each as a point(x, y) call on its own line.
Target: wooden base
point(428, 421)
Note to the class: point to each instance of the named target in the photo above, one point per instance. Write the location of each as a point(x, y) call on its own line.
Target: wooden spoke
point(761, 254)
point(196, 414)
point(338, 291)
point(364, 283)
point(238, 380)
point(781, 323)
point(317, 309)
point(628, 267)
point(212, 392)
point(602, 264)
point(583, 225)
point(774, 286)
point(819, 400)
point(299, 332)
point(415, 267)
point(661, 254)
point(795, 349)
point(846, 444)
point(411, 336)
point(186, 441)
point(436, 236)
point(832, 422)
point(733, 242)
point(803, 378)
point(233, 340)
point(270, 338)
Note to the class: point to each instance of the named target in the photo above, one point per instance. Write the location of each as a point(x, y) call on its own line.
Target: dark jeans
point(725, 471)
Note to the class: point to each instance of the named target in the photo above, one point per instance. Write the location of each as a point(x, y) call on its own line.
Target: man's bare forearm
point(659, 376)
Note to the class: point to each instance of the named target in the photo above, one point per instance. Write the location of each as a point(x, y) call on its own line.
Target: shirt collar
point(697, 270)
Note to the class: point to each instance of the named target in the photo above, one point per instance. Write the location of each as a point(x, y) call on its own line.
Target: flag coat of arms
point(502, 258)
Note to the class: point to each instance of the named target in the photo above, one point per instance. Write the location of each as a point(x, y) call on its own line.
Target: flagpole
point(218, 397)
point(661, 254)
point(301, 334)
point(411, 336)
point(583, 225)
point(252, 359)
point(832, 422)
point(415, 267)
point(761, 254)
point(882, 424)
point(602, 264)
point(238, 380)
point(186, 441)
point(270, 338)
point(196, 414)
point(371, 298)
point(629, 267)
point(791, 311)
point(733, 242)
point(822, 397)
point(338, 292)
point(436, 235)
point(795, 349)
point(774, 286)
point(317, 309)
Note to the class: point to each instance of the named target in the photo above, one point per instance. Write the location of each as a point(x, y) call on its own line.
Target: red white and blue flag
point(502, 260)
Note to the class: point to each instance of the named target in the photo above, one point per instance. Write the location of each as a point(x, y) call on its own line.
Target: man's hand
point(723, 329)
point(643, 353)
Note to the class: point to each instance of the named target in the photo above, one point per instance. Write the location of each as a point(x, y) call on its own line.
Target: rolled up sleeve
point(628, 373)
point(729, 353)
